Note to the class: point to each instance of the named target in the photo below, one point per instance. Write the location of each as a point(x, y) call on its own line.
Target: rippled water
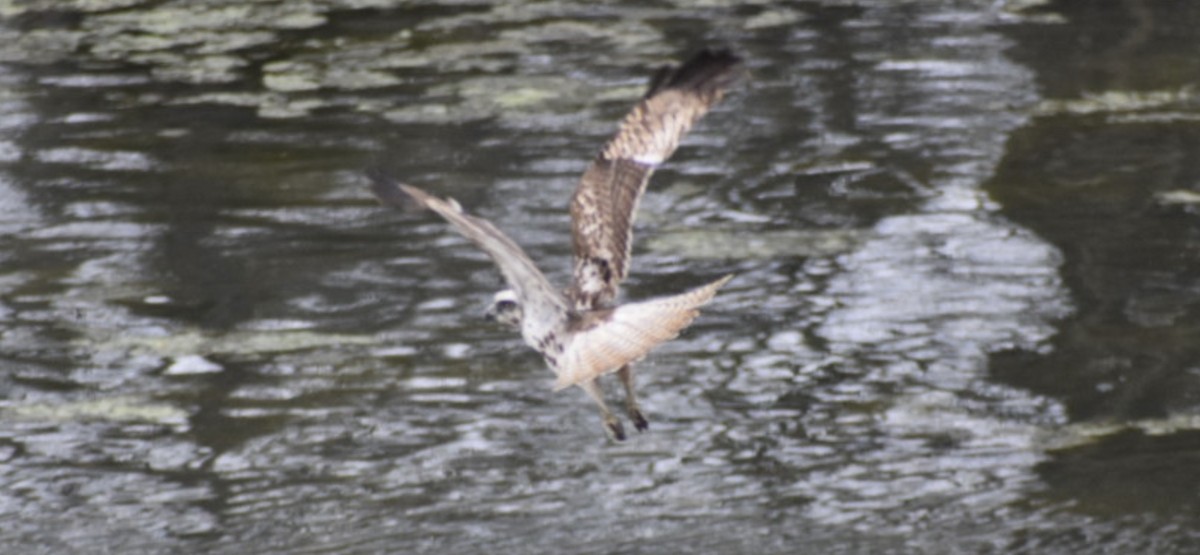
point(966, 317)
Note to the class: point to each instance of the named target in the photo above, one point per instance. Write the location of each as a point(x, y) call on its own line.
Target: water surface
point(965, 317)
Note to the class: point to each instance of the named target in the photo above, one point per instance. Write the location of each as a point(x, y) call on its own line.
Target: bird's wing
point(542, 304)
point(603, 207)
point(608, 339)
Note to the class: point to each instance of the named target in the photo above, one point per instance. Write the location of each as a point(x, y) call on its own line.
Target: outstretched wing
point(608, 339)
point(543, 305)
point(602, 209)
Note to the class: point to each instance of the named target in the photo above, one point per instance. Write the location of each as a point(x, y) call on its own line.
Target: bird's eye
point(505, 306)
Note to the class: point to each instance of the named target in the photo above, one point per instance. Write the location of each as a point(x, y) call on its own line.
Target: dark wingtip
point(715, 56)
point(710, 68)
point(386, 189)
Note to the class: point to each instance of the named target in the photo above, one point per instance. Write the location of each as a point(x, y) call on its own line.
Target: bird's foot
point(639, 421)
point(614, 428)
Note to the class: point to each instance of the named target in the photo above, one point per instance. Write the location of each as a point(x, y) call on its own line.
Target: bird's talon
point(639, 421)
point(615, 429)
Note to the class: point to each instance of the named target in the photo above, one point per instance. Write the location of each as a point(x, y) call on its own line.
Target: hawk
point(579, 331)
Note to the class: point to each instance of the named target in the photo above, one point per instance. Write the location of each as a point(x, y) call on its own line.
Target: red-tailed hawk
point(579, 332)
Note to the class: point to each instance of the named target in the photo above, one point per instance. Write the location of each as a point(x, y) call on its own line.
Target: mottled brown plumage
point(579, 333)
point(607, 197)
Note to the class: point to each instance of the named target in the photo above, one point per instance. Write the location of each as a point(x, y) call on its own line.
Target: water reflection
point(965, 293)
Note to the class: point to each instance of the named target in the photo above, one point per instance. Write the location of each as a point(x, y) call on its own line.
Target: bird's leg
point(611, 423)
point(631, 404)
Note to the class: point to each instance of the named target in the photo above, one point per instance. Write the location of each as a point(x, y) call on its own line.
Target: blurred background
point(966, 317)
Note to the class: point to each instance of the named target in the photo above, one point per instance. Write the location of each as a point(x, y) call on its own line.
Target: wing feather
point(615, 337)
point(605, 202)
point(543, 305)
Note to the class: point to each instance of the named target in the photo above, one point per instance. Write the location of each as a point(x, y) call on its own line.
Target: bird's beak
point(489, 316)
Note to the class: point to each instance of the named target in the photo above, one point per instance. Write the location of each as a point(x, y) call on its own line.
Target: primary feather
point(605, 202)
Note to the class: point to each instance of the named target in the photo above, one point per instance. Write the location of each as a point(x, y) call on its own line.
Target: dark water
point(966, 317)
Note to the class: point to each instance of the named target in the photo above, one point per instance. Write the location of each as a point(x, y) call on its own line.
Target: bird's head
point(505, 309)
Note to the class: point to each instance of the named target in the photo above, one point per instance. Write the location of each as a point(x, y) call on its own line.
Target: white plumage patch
point(629, 333)
point(652, 159)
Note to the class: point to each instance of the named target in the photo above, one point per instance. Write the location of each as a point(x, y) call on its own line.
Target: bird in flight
point(579, 331)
